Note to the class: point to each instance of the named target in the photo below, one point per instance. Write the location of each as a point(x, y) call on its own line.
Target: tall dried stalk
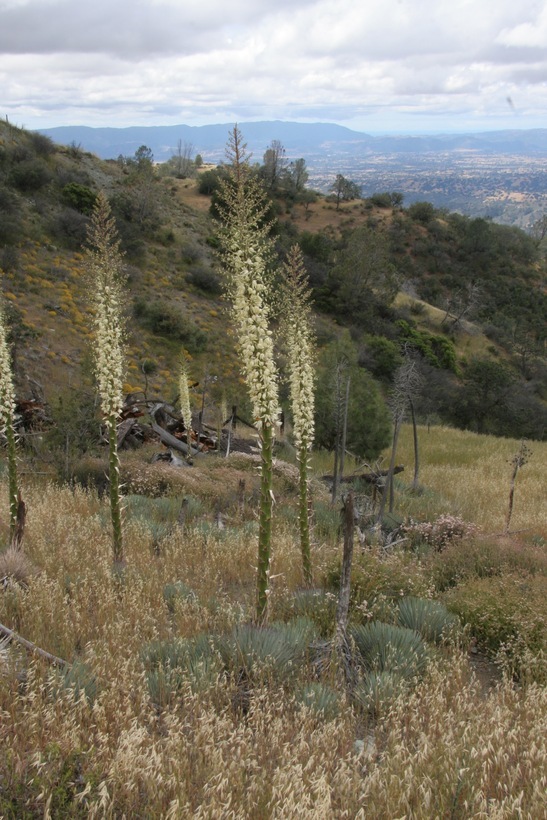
point(518, 461)
point(246, 250)
point(104, 263)
point(298, 334)
point(7, 426)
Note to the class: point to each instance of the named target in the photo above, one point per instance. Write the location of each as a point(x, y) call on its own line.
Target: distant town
point(500, 175)
point(508, 189)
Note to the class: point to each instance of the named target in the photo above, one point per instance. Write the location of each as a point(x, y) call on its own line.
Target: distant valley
point(500, 175)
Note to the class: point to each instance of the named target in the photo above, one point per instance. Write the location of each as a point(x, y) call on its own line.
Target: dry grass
point(470, 475)
point(448, 750)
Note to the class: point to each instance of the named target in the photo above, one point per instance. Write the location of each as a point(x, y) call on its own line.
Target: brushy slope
point(174, 283)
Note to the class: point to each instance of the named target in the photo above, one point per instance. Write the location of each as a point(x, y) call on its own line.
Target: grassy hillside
point(151, 722)
point(174, 285)
point(164, 698)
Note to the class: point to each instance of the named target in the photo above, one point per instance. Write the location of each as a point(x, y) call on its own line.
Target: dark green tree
point(368, 428)
point(345, 190)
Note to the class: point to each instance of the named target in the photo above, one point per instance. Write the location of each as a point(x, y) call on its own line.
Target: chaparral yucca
point(104, 263)
point(246, 247)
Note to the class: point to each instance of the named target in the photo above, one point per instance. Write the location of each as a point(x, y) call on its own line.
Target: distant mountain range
point(316, 142)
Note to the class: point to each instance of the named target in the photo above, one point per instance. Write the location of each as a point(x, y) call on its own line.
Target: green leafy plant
point(259, 653)
point(170, 666)
point(377, 689)
point(388, 648)
point(430, 619)
point(320, 698)
point(177, 591)
point(506, 614)
point(316, 605)
point(78, 679)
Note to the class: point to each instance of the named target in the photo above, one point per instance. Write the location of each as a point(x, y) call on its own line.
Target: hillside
point(467, 289)
point(140, 675)
point(499, 174)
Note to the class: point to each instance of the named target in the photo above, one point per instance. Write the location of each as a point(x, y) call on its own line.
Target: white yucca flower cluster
point(109, 358)
point(301, 380)
point(300, 342)
point(185, 408)
point(255, 340)
point(7, 391)
point(104, 262)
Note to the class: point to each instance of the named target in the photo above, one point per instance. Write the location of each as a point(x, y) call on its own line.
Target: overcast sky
point(373, 65)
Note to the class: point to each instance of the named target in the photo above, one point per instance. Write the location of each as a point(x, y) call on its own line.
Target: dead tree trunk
point(344, 429)
point(19, 531)
point(342, 610)
point(415, 481)
point(389, 477)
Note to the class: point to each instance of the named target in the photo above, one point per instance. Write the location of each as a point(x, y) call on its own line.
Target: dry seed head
point(297, 330)
point(185, 407)
point(251, 314)
point(104, 264)
point(7, 391)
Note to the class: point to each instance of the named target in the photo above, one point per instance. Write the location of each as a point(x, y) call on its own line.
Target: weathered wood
point(342, 610)
point(17, 539)
point(172, 441)
point(370, 478)
point(32, 648)
point(124, 429)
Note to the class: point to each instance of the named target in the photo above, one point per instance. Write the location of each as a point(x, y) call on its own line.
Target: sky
point(379, 66)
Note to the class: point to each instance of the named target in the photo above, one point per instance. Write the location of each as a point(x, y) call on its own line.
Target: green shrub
point(320, 699)
point(507, 615)
point(205, 279)
point(439, 533)
point(170, 666)
point(80, 197)
point(430, 618)
point(326, 522)
point(316, 605)
point(479, 558)
point(178, 591)
point(377, 584)
point(30, 175)
point(421, 212)
point(388, 648)
point(272, 653)
point(381, 356)
point(377, 689)
point(92, 473)
point(42, 145)
point(165, 319)
point(78, 679)
point(437, 350)
point(69, 226)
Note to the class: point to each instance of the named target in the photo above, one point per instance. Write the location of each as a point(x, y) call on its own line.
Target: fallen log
point(124, 429)
point(31, 647)
point(370, 478)
point(172, 441)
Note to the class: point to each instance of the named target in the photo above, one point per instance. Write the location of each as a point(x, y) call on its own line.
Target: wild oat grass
point(108, 745)
point(471, 475)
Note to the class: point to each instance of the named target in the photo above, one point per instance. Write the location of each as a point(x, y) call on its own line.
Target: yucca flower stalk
point(185, 407)
point(246, 250)
point(299, 338)
point(7, 425)
point(104, 264)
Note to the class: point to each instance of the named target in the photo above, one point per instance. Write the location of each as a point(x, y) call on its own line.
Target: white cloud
point(175, 60)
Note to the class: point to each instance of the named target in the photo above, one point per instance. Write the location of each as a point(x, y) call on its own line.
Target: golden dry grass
point(470, 474)
point(448, 750)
